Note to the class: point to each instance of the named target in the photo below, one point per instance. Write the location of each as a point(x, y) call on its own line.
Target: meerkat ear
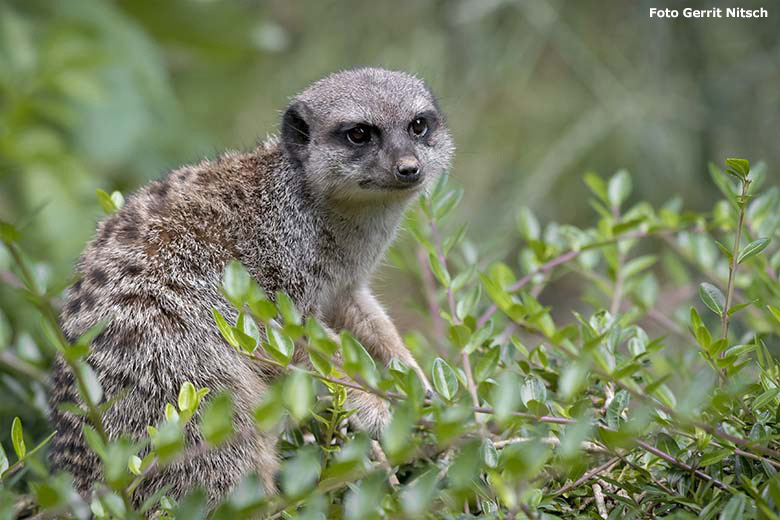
point(295, 131)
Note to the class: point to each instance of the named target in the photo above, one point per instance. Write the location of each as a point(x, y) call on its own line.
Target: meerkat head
point(367, 134)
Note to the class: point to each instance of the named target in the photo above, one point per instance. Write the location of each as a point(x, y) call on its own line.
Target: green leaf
point(615, 409)
point(187, 397)
point(106, 202)
point(712, 297)
point(533, 390)
point(363, 501)
point(724, 184)
point(270, 410)
point(736, 308)
point(439, 270)
point(765, 398)
point(467, 304)
point(298, 394)
point(572, 379)
point(225, 329)
point(236, 282)
point(638, 265)
point(619, 188)
point(597, 186)
point(628, 225)
point(459, 335)
point(528, 224)
point(725, 250)
point(134, 465)
point(752, 249)
point(444, 379)
point(289, 313)
point(775, 312)
point(281, 347)
point(301, 473)
point(320, 363)
point(573, 437)
point(261, 307)
point(118, 199)
point(217, 419)
point(357, 362)
point(94, 441)
point(3, 460)
point(740, 166)
point(17, 438)
point(94, 389)
point(735, 508)
point(486, 364)
point(489, 453)
point(396, 436)
point(506, 396)
point(418, 494)
point(8, 233)
point(446, 203)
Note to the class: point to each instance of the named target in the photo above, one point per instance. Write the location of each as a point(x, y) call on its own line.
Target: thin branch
point(671, 460)
point(471, 385)
point(724, 317)
point(21, 366)
point(617, 294)
point(564, 258)
point(429, 289)
point(587, 476)
point(381, 458)
point(600, 504)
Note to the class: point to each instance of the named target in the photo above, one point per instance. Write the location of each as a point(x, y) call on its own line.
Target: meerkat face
point(367, 134)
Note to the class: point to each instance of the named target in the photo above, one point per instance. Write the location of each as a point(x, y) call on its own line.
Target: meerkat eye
point(418, 127)
point(359, 134)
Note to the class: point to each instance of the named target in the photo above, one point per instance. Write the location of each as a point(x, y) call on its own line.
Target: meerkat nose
point(407, 169)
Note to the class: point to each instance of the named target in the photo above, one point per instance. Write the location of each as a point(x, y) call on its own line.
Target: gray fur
point(308, 213)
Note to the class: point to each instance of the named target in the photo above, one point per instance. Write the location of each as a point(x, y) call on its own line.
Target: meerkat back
point(151, 275)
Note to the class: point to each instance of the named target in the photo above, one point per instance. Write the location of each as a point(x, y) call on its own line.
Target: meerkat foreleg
point(360, 313)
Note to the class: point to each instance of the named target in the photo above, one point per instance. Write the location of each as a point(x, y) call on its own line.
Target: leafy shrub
point(633, 401)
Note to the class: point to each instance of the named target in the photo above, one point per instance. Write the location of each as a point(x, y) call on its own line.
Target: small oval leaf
point(752, 249)
point(712, 297)
point(444, 379)
point(17, 438)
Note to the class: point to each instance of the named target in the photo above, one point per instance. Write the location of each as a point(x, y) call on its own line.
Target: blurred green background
point(108, 94)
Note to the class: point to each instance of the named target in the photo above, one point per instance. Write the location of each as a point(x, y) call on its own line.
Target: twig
point(562, 259)
point(587, 476)
point(599, 496)
point(642, 470)
point(671, 460)
point(617, 294)
point(380, 457)
point(724, 317)
point(471, 385)
point(429, 289)
point(23, 367)
point(590, 447)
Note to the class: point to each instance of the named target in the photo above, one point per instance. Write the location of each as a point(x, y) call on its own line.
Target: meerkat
point(309, 212)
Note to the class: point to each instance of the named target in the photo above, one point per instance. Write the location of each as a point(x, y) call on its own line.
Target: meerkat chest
point(354, 254)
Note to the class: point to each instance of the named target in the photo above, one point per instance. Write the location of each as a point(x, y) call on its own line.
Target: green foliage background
point(106, 95)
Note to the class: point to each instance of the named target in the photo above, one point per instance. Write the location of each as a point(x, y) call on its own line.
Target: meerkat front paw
point(372, 413)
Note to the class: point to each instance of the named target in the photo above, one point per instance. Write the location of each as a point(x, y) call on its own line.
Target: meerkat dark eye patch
point(359, 134)
point(423, 124)
point(418, 127)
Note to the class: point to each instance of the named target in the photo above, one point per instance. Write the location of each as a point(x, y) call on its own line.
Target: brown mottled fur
point(292, 212)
